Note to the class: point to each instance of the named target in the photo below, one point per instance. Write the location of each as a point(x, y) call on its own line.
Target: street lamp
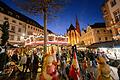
point(23, 34)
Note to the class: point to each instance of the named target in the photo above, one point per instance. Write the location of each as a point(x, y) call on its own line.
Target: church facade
point(74, 34)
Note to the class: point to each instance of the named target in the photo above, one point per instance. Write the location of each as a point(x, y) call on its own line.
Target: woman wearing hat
point(103, 69)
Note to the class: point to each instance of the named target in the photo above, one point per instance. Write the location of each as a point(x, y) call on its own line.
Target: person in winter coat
point(84, 65)
point(23, 61)
point(103, 69)
point(34, 64)
point(118, 71)
point(28, 63)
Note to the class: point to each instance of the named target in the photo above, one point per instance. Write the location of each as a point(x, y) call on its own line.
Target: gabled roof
point(21, 16)
point(98, 25)
point(71, 28)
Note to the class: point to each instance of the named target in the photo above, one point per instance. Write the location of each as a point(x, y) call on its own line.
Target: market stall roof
point(108, 44)
point(49, 42)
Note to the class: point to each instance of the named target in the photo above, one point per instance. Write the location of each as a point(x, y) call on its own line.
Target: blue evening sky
point(87, 11)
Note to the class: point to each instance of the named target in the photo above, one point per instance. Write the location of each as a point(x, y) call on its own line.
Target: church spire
point(78, 26)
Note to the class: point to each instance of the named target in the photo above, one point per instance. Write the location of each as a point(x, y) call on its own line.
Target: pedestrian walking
point(15, 57)
point(34, 64)
point(23, 61)
point(28, 63)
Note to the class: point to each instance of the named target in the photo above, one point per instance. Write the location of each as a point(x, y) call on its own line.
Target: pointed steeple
point(78, 26)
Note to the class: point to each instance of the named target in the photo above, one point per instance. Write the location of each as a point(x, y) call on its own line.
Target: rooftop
point(98, 25)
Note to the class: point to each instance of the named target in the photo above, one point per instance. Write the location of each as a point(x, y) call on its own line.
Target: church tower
point(78, 26)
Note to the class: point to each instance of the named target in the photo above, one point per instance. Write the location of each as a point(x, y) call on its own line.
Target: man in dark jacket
point(35, 62)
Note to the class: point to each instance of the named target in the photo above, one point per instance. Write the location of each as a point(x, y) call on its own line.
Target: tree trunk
point(45, 32)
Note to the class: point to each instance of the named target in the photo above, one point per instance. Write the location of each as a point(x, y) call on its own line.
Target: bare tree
point(44, 7)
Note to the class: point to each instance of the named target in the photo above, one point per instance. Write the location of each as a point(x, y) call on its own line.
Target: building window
point(13, 21)
point(99, 39)
point(19, 29)
point(13, 28)
point(1, 8)
point(31, 27)
point(117, 15)
point(104, 30)
point(113, 3)
point(11, 37)
point(5, 18)
point(106, 38)
point(20, 23)
point(34, 28)
point(10, 13)
point(17, 16)
point(98, 31)
point(110, 31)
point(105, 12)
point(28, 26)
point(18, 38)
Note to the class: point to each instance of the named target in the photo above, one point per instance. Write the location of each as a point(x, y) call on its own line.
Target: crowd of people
point(83, 65)
point(69, 65)
point(21, 63)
